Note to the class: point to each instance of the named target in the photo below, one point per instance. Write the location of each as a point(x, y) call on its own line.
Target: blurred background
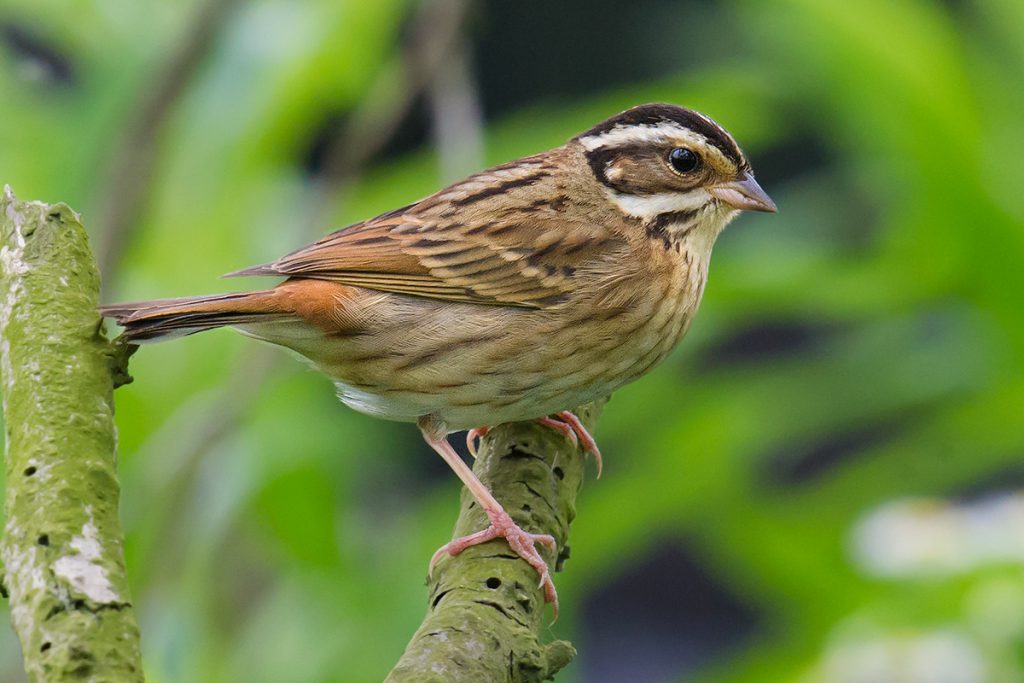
point(824, 483)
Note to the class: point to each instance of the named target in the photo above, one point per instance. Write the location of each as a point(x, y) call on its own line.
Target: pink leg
point(502, 525)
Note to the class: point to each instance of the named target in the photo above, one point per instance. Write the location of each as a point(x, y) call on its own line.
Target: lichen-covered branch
point(485, 610)
point(62, 548)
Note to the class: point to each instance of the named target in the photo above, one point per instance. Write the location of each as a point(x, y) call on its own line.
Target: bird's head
point(672, 168)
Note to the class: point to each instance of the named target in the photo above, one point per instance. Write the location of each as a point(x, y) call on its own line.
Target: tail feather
point(165, 318)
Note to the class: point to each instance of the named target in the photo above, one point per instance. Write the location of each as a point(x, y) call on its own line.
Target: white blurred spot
point(940, 656)
point(934, 537)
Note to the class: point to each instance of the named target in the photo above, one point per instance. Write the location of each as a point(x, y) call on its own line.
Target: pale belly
point(519, 377)
point(473, 365)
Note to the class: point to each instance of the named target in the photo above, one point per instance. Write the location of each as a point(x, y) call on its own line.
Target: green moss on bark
point(62, 546)
point(486, 610)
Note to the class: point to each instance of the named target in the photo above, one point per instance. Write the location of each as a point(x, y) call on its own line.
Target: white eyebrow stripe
point(647, 133)
point(649, 206)
point(666, 131)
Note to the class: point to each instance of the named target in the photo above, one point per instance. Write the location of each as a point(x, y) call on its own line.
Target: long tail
point(166, 318)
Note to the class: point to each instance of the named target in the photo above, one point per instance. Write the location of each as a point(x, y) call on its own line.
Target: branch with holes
point(62, 550)
point(486, 611)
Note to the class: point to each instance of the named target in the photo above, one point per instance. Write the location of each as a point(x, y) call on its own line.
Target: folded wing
point(530, 260)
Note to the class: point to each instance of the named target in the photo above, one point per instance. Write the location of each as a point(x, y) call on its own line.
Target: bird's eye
point(683, 160)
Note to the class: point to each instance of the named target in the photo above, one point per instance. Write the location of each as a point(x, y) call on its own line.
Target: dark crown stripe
point(653, 114)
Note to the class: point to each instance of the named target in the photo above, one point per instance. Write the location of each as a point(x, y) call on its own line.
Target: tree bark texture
point(486, 610)
point(62, 548)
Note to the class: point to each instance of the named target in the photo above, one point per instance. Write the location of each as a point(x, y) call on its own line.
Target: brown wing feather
point(499, 254)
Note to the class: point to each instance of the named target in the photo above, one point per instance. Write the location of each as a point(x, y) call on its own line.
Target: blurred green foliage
point(822, 484)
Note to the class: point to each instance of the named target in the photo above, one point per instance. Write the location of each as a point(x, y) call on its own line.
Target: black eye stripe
point(602, 159)
point(599, 159)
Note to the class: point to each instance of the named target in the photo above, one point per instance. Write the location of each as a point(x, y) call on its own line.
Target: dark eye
point(683, 160)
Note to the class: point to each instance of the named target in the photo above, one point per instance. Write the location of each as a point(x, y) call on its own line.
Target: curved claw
point(588, 442)
point(565, 423)
point(560, 427)
point(568, 424)
point(471, 438)
point(521, 542)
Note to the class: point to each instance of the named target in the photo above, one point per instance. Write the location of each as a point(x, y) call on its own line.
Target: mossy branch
point(486, 610)
point(63, 546)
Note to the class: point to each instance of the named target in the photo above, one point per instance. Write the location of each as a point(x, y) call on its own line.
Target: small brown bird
point(515, 294)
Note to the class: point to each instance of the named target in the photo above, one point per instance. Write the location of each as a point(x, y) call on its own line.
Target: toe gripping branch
point(501, 524)
point(564, 422)
point(484, 599)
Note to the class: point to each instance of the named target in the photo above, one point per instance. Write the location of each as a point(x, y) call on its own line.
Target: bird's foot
point(564, 422)
point(568, 424)
point(522, 543)
point(471, 438)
